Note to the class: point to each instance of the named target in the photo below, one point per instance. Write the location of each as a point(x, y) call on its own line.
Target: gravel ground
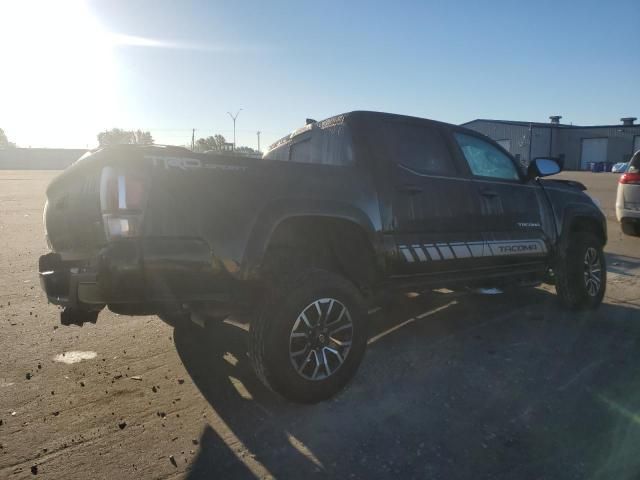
point(452, 386)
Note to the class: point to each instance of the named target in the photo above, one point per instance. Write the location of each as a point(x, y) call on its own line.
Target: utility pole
point(258, 133)
point(233, 117)
point(193, 139)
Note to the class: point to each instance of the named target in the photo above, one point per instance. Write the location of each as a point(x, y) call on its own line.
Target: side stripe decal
point(445, 251)
point(419, 252)
point(433, 252)
point(479, 249)
point(462, 250)
point(407, 253)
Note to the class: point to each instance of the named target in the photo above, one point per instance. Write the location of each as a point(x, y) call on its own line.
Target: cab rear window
point(331, 145)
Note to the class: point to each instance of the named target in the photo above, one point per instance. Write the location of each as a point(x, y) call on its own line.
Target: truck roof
point(346, 117)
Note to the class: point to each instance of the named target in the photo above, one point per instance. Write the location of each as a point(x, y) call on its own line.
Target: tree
point(4, 141)
point(117, 136)
point(210, 143)
point(219, 140)
point(217, 143)
point(248, 150)
point(204, 144)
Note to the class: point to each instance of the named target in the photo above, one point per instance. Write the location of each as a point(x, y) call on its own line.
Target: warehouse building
point(577, 146)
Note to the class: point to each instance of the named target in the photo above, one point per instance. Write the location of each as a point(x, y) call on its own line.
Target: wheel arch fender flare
point(580, 217)
point(274, 215)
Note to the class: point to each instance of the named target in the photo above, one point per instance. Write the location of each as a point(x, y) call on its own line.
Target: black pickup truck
point(304, 238)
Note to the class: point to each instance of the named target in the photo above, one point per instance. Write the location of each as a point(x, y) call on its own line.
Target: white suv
point(628, 199)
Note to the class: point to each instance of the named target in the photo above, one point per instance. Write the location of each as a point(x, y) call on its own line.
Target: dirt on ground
point(453, 386)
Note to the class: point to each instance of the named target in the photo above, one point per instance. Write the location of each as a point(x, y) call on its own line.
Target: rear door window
point(420, 148)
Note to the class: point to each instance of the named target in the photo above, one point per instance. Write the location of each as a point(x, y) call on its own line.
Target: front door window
point(485, 159)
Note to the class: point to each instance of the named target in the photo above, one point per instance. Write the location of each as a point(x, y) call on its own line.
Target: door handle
point(487, 192)
point(411, 189)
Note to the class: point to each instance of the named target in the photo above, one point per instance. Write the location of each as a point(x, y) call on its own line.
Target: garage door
point(593, 150)
point(636, 143)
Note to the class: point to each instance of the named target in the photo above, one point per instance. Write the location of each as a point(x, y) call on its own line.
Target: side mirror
point(543, 167)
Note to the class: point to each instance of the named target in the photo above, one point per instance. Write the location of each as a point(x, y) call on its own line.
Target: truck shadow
point(457, 387)
point(623, 265)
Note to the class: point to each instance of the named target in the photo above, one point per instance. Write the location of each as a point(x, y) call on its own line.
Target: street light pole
point(233, 117)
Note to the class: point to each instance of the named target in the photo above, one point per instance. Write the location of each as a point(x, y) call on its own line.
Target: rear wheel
point(581, 272)
point(309, 339)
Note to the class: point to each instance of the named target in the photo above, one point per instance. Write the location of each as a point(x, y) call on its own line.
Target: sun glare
point(59, 74)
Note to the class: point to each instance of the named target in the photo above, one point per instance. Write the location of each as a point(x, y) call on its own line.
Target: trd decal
point(187, 163)
point(461, 250)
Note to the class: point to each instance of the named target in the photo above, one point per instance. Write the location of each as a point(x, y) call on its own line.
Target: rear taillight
point(630, 178)
point(122, 197)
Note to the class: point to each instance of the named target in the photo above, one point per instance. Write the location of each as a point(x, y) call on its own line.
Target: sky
point(71, 68)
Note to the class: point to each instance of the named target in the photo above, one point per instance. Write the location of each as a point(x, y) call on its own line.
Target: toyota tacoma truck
point(304, 239)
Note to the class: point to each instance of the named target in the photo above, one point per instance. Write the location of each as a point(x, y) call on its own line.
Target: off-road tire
point(271, 326)
point(570, 273)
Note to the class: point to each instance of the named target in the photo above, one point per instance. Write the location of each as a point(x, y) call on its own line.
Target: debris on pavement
point(173, 460)
point(74, 357)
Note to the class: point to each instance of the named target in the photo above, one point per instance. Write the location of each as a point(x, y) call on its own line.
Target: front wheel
point(581, 272)
point(309, 339)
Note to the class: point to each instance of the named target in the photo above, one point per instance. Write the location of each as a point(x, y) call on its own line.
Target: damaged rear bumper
point(141, 276)
point(65, 283)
